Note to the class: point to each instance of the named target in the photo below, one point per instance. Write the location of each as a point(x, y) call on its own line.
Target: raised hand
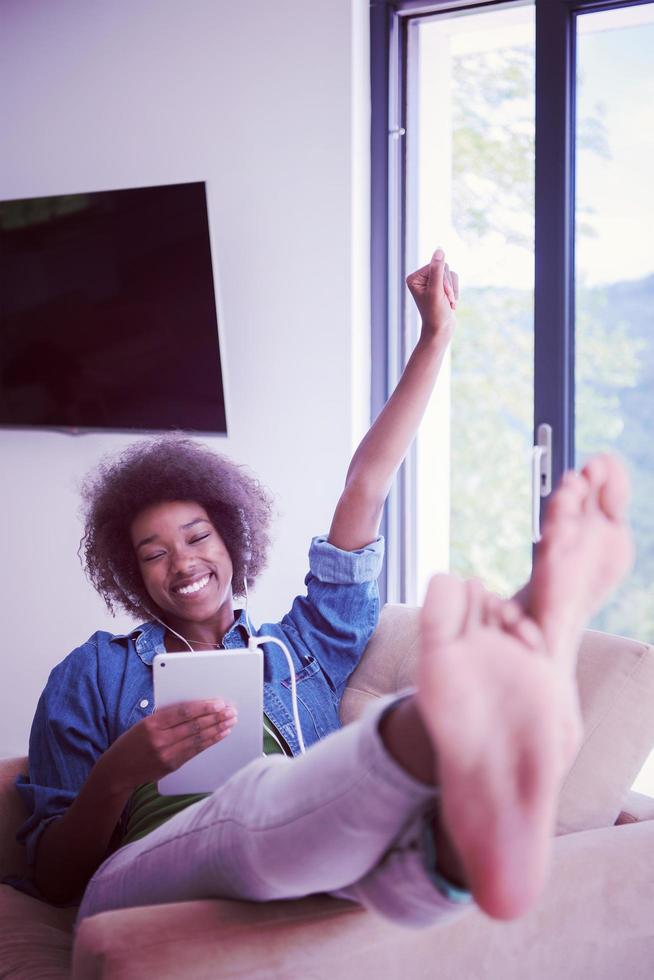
point(166, 740)
point(435, 290)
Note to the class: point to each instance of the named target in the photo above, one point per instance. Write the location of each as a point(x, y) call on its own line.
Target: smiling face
point(186, 568)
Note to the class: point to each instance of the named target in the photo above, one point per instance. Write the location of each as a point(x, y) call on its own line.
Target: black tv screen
point(107, 312)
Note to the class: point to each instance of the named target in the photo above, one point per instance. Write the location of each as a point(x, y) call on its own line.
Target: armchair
point(595, 919)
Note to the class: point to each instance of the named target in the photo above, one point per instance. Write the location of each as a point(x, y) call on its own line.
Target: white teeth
point(195, 587)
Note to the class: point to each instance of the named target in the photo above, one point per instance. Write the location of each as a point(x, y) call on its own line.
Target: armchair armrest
point(12, 814)
point(594, 920)
point(637, 807)
point(211, 938)
point(388, 664)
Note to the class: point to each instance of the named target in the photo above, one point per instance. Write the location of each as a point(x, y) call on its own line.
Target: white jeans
point(345, 818)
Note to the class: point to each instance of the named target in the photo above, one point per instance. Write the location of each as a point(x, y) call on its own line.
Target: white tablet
point(237, 677)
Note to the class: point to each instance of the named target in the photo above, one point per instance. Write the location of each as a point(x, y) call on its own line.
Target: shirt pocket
point(316, 705)
point(310, 668)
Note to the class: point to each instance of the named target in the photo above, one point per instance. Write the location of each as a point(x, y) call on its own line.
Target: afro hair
point(171, 467)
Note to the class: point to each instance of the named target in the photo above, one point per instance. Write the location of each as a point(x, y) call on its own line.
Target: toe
point(477, 607)
point(445, 609)
point(608, 475)
point(526, 630)
point(511, 612)
point(569, 497)
point(514, 621)
point(567, 504)
point(492, 610)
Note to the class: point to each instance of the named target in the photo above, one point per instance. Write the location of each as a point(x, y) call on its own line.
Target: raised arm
point(370, 475)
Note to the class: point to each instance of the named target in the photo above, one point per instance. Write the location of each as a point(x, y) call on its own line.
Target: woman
point(173, 533)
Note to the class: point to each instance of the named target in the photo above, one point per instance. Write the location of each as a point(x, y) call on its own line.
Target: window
point(614, 276)
point(517, 135)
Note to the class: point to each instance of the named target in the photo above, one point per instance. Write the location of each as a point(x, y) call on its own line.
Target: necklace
point(191, 643)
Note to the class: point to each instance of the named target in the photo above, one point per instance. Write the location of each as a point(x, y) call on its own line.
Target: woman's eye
point(200, 537)
point(153, 557)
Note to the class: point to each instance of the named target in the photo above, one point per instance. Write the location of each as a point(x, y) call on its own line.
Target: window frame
point(554, 313)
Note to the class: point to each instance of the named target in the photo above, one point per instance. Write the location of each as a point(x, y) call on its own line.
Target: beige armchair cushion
point(12, 815)
point(616, 692)
point(35, 938)
point(594, 922)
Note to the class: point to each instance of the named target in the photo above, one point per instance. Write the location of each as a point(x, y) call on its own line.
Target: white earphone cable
point(257, 641)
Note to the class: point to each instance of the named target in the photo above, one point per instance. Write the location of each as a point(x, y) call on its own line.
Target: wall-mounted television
point(108, 314)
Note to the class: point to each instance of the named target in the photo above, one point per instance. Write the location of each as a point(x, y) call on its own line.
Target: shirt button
point(144, 703)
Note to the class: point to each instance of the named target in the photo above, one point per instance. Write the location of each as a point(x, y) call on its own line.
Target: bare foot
point(585, 551)
point(497, 694)
point(490, 700)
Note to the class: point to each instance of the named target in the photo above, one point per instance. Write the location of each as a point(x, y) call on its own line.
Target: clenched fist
point(435, 290)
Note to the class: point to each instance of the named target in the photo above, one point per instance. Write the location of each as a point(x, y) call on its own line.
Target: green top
point(149, 810)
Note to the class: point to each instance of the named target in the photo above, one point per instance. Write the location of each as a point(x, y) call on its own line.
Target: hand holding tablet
point(165, 740)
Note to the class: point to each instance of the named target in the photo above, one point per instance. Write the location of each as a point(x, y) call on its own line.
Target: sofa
point(595, 920)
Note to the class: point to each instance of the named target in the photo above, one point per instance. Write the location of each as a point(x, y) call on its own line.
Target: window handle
point(541, 475)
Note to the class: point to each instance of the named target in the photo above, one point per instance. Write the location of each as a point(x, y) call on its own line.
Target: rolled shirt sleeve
point(340, 611)
point(330, 564)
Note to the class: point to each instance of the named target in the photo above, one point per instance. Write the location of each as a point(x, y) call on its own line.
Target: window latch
point(541, 475)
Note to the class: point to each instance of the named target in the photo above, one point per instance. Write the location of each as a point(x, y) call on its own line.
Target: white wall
point(268, 103)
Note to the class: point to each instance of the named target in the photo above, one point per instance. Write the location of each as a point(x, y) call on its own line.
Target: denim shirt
point(105, 686)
